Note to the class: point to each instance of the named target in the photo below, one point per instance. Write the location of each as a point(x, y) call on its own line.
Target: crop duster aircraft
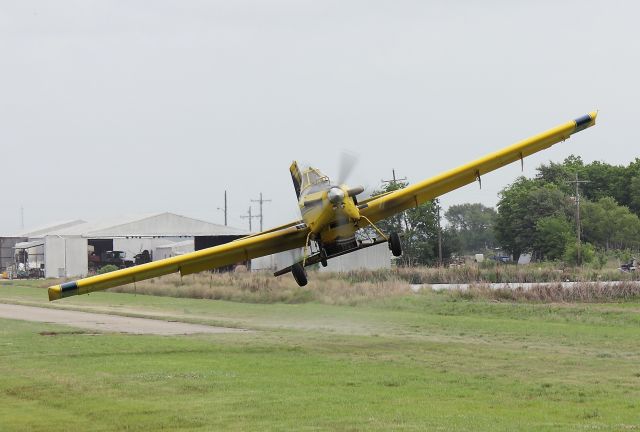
point(331, 217)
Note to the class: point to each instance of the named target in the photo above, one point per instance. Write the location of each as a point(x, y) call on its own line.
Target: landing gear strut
point(323, 257)
point(394, 244)
point(299, 274)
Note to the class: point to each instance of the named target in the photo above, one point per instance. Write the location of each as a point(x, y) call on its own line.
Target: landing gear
point(394, 244)
point(323, 257)
point(299, 274)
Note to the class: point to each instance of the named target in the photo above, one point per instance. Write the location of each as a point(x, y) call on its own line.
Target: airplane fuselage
point(330, 211)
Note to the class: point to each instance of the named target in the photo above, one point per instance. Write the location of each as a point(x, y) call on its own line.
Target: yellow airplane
point(331, 217)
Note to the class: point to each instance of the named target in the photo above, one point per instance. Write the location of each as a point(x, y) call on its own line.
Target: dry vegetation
point(356, 287)
point(327, 288)
point(352, 288)
point(555, 293)
point(497, 273)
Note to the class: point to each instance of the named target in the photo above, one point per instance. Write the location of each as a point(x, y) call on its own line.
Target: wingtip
point(55, 292)
point(585, 121)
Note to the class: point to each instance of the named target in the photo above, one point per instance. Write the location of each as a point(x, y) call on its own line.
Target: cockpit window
point(314, 180)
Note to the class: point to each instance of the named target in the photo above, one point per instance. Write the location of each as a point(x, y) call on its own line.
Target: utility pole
point(249, 216)
point(22, 217)
point(395, 180)
point(261, 214)
point(439, 237)
point(577, 181)
point(225, 208)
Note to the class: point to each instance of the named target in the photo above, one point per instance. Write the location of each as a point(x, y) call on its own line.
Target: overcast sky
point(124, 107)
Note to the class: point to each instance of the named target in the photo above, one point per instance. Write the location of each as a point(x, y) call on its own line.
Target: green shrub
point(107, 269)
point(587, 253)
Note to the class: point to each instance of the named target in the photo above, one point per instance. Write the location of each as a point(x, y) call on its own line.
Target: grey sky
point(125, 107)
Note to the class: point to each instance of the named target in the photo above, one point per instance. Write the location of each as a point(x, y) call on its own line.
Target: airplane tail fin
point(296, 176)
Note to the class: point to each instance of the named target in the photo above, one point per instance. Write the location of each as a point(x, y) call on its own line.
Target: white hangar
point(67, 249)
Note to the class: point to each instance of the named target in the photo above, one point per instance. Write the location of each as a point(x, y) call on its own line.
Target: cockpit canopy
point(313, 181)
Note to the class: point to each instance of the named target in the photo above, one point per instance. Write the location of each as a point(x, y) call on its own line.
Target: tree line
point(534, 215)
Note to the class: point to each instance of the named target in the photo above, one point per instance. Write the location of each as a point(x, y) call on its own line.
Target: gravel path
point(106, 323)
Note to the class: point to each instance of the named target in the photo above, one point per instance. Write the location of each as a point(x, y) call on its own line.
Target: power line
point(261, 215)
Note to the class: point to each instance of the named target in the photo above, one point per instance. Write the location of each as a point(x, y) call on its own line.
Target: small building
point(8, 243)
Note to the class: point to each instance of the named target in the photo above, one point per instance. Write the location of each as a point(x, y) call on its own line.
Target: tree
point(610, 205)
point(594, 222)
point(473, 225)
point(634, 194)
point(605, 180)
point(609, 225)
point(521, 205)
point(421, 234)
point(560, 174)
point(553, 233)
point(418, 229)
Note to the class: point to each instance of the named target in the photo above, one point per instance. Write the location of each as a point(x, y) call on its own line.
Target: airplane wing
point(382, 206)
point(278, 228)
point(246, 248)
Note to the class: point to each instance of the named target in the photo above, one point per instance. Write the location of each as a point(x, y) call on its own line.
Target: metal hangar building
point(65, 249)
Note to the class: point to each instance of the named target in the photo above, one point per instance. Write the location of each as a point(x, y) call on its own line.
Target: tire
point(323, 257)
point(394, 244)
point(299, 274)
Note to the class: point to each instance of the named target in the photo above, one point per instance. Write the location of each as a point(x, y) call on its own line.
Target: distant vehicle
point(331, 216)
point(629, 267)
point(501, 258)
point(116, 258)
point(142, 258)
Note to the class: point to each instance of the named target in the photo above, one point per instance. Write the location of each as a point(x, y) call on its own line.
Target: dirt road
point(106, 323)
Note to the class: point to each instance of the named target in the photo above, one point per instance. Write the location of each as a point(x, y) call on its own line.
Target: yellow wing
point(246, 248)
point(383, 206)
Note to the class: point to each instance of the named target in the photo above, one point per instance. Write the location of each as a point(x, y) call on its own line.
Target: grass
point(432, 361)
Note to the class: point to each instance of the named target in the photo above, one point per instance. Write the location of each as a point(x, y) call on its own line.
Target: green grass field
point(410, 362)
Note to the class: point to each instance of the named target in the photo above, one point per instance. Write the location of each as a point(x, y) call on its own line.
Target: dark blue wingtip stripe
point(583, 122)
point(69, 286)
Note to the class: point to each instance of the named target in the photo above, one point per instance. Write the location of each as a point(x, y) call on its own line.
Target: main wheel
point(394, 244)
point(299, 274)
point(323, 257)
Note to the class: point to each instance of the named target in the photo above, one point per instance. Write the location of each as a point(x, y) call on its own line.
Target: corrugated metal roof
point(149, 225)
point(43, 229)
point(102, 224)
